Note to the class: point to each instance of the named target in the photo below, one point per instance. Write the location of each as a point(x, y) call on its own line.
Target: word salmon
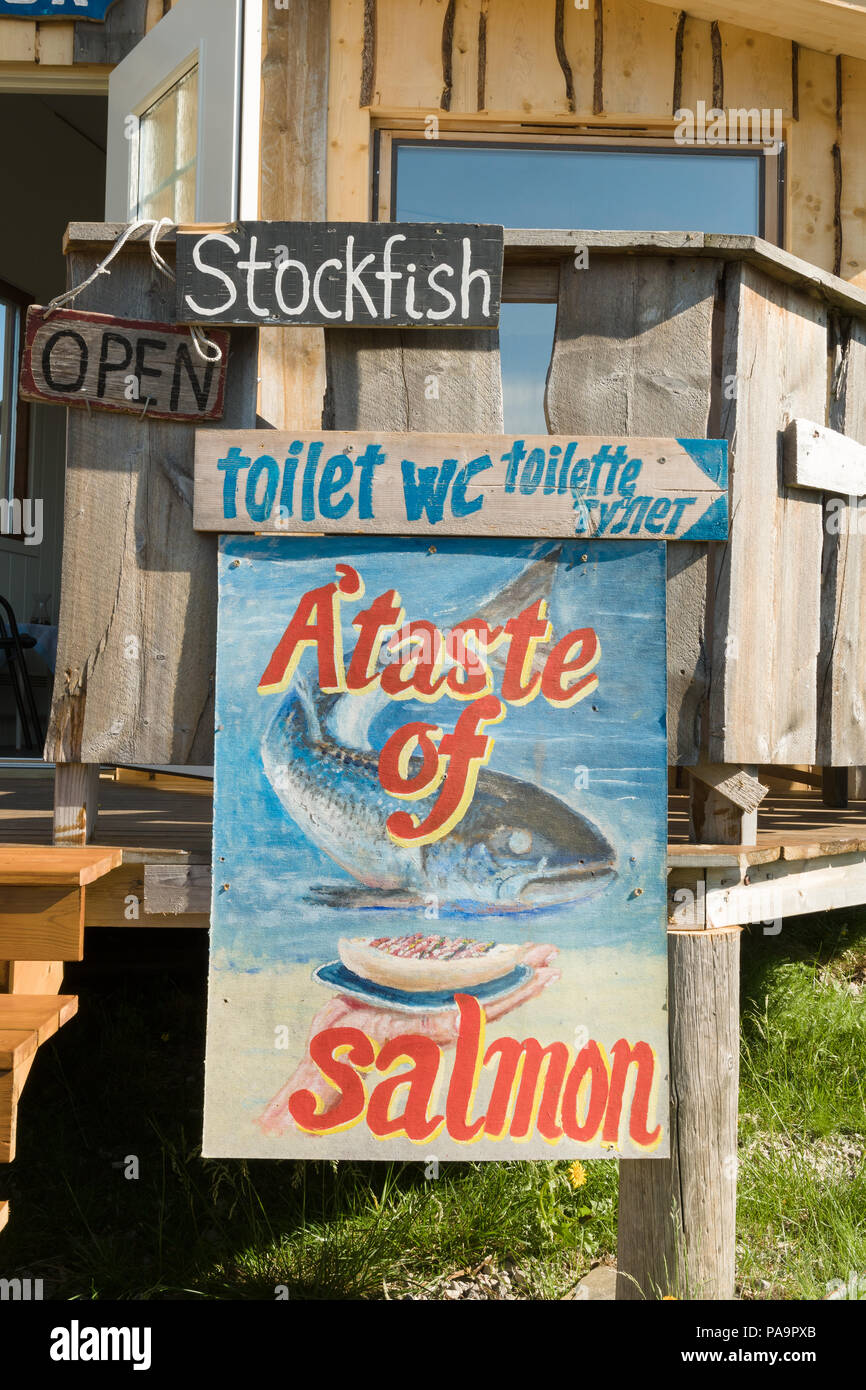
point(548, 1091)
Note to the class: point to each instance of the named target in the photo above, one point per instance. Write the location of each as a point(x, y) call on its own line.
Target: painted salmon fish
point(518, 848)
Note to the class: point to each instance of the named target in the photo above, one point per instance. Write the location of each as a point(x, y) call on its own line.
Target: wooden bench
point(42, 892)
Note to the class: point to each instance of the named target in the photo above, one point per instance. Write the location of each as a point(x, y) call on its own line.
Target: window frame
point(385, 138)
point(16, 478)
point(223, 39)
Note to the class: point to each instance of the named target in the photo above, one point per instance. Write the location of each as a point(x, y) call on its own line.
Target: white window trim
point(224, 38)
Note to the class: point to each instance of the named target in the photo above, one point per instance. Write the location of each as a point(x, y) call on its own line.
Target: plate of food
point(421, 961)
point(421, 972)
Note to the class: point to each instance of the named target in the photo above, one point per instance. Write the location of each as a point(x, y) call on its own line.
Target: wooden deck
point(171, 817)
point(808, 857)
point(170, 821)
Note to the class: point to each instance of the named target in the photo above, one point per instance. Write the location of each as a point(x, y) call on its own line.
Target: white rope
point(207, 350)
point(201, 342)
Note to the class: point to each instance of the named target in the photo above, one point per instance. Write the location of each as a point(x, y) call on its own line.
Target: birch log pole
point(677, 1216)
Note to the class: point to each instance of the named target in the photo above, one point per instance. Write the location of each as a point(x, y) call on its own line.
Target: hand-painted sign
point(453, 485)
point(440, 833)
point(384, 274)
point(95, 360)
point(55, 9)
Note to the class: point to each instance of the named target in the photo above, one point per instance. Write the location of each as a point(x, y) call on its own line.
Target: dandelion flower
point(576, 1174)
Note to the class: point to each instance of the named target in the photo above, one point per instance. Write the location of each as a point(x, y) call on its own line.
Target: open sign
point(154, 369)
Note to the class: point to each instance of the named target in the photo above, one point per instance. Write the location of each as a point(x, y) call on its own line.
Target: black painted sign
point(380, 274)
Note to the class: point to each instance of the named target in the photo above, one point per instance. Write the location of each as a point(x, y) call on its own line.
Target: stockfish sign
point(384, 274)
point(55, 9)
point(440, 834)
point(425, 484)
point(96, 360)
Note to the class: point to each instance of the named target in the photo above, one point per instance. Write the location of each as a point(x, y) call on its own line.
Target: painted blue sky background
point(617, 734)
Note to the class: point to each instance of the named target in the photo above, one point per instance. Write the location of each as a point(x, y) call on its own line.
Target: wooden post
point(834, 787)
point(137, 634)
point(293, 147)
point(723, 804)
point(76, 802)
point(677, 1216)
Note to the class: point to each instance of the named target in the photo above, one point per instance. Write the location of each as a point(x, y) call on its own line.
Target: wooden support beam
point(723, 805)
point(677, 1216)
point(834, 787)
point(824, 460)
point(769, 893)
point(35, 976)
point(734, 783)
point(687, 898)
point(8, 1114)
point(4, 1214)
point(788, 776)
point(177, 888)
point(76, 802)
point(294, 123)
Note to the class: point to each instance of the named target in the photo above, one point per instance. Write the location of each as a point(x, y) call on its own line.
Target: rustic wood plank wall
point(109, 42)
point(60, 43)
point(423, 380)
point(766, 582)
point(767, 634)
point(617, 62)
point(767, 658)
point(294, 136)
point(842, 656)
point(655, 368)
point(135, 662)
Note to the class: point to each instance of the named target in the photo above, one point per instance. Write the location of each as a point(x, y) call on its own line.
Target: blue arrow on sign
point(55, 9)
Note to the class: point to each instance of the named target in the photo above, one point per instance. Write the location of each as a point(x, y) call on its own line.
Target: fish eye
point(520, 841)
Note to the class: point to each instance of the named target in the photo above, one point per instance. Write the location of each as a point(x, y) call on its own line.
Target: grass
point(124, 1082)
point(802, 1189)
point(120, 1091)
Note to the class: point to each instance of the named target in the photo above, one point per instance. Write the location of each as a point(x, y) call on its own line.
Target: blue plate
point(336, 976)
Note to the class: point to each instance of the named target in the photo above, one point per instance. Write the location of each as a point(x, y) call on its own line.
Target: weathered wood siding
point(842, 656)
point(655, 368)
point(294, 139)
point(60, 43)
point(766, 659)
point(135, 662)
point(767, 580)
point(617, 62)
point(767, 652)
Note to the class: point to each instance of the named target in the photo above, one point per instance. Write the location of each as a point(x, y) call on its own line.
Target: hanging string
point(207, 350)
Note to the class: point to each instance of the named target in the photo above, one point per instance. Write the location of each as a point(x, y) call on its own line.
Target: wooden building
point(684, 196)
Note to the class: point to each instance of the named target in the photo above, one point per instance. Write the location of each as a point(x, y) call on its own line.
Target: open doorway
point(52, 171)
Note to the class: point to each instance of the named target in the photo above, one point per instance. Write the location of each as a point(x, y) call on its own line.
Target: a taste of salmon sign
point(439, 913)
